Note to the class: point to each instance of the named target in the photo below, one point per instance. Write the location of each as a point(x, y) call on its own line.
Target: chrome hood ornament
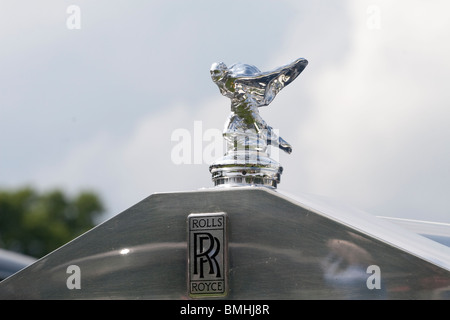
point(246, 134)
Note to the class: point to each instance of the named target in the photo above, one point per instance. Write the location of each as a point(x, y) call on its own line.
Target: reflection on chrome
point(124, 251)
point(349, 266)
point(246, 134)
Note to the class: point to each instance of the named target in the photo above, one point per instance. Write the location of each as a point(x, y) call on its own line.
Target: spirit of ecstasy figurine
point(246, 134)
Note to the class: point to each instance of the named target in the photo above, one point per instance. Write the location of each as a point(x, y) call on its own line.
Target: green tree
point(37, 223)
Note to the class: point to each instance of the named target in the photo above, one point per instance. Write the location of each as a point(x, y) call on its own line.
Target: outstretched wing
point(264, 86)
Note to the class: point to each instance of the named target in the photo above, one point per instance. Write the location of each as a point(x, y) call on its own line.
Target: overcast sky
point(92, 92)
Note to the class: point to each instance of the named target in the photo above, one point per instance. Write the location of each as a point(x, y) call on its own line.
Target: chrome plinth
point(240, 168)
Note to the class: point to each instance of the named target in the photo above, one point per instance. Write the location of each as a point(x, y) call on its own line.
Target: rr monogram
point(206, 248)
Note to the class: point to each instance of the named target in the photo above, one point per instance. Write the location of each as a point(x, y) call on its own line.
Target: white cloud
point(368, 118)
point(127, 169)
point(377, 132)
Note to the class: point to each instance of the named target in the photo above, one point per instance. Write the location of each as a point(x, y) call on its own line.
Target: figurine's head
point(218, 71)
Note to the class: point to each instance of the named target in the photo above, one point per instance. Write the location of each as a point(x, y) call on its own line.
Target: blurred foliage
point(36, 223)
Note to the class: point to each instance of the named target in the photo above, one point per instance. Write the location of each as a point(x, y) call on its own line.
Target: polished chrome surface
point(280, 247)
point(437, 231)
point(11, 262)
point(247, 135)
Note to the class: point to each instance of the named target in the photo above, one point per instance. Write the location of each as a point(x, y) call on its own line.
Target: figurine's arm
point(266, 85)
point(291, 70)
